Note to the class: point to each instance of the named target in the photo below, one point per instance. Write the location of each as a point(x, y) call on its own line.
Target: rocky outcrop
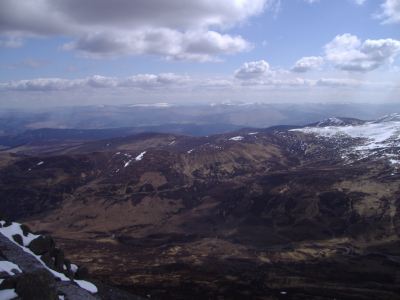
point(40, 270)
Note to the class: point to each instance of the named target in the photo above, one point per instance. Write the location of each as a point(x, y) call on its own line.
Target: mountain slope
point(266, 213)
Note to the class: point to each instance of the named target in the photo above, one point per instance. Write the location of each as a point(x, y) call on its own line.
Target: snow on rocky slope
point(374, 139)
point(38, 255)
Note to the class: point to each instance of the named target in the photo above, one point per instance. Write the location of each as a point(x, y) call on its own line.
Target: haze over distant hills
point(186, 119)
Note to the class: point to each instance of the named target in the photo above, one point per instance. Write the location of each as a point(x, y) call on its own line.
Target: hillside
point(278, 213)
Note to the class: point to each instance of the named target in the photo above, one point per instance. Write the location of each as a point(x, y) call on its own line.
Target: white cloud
point(199, 46)
point(11, 42)
point(141, 81)
point(390, 11)
point(338, 82)
point(308, 63)
point(347, 52)
point(175, 29)
point(153, 81)
point(252, 70)
point(41, 84)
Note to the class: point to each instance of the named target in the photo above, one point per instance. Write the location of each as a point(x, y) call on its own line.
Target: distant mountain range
point(229, 116)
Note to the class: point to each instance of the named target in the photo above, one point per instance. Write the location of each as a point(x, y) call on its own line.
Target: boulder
point(48, 260)
point(25, 229)
point(36, 285)
point(58, 256)
point(82, 273)
point(8, 283)
point(42, 245)
point(18, 239)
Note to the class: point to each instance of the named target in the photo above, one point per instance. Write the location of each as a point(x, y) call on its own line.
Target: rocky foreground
point(31, 267)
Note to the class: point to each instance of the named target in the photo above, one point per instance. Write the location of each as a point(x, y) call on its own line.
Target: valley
point(276, 213)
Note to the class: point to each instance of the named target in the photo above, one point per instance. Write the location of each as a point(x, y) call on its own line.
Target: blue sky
point(70, 52)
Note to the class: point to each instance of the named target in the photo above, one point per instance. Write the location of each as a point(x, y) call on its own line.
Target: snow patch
point(333, 121)
point(15, 228)
point(9, 268)
point(161, 104)
point(8, 294)
point(40, 163)
point(90, 287)
point(127, 163)
point(74, 268)
point(377, 138)
point(236, 138)
point(140, 156)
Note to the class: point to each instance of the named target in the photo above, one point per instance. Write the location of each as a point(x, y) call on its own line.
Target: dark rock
point(82, 273)
point(25, 229)
point(8, 283)
point(18, 239)
point(58, 256)
point(146, 188)
point(39, 285)
point(41, 245)
point(68, 272)
point(48, 260)
point(7, 223)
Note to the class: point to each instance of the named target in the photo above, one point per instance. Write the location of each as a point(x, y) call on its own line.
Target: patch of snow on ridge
point(236, 138)
point(374, 138)
point(8, 294)
point(394, 161)
point(8, 233)
point(40, 163)
point(127, 163)
point(332, 121)
point(90, 287)
point(140, 156)
point(161, 104)
point(389, 118)
point(9, 268)
point(15, 228)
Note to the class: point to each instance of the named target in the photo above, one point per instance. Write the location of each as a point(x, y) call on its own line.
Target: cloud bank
point(347, 52)
point(189, 30)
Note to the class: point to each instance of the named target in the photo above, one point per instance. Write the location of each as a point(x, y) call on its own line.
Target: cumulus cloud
point(252, 70)
point(308, 63)
point(348, 52)
point(141, 81)
point(41, 84)
point(175, 29)
point(172, 44)
point(154, 81)
point(390, 11)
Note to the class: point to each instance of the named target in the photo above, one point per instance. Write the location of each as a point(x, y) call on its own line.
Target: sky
point(74, 52)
